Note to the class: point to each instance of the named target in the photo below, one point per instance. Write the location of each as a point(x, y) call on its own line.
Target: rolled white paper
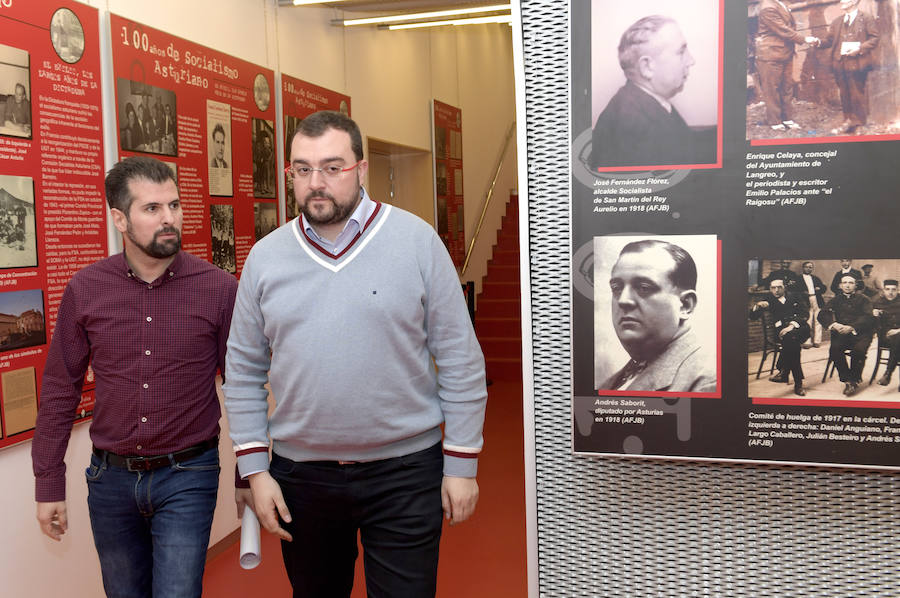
point(250, 551)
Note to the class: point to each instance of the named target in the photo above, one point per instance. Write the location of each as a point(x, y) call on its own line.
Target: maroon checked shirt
point(154, 348)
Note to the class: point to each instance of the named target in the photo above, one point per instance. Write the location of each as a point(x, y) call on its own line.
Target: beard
point(335, 212)
point(156, 248)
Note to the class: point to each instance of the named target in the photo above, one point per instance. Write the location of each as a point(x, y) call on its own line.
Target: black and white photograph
point(15, 87)
point(18, 239)
point(656, 315)
point(655, 83)
point(22, 319)
point(265, 218)
point(67, 35)
point(218, 139)
point(824, 330)
point(822, 69)
point(221, 222)
point(147, 118)
point(262, 95)
point(290, 204)
point(263, 145)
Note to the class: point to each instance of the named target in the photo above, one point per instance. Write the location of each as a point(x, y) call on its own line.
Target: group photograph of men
point(824, 329)
point(655, 83)
point(822, 68)
point(147, 118)
point(656, 315)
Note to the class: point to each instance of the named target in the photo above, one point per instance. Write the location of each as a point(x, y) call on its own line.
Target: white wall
point(391, 78)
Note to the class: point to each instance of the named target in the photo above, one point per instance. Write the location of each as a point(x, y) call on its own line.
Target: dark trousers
point(394, 504)
point(852, 87)
point(776, 80)
point(789, 358)
point(858, 344)
point(894, 344)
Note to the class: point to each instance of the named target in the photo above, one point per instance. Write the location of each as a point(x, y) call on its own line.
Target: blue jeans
point(151, 528)
point(394, 504)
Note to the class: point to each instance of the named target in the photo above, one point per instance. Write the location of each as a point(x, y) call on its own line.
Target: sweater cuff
point(252, 462)
point(460, 467)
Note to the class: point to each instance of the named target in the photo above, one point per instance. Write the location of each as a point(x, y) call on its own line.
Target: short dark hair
point(118, 195)
point(807, 262)
point(18, 85)
point(640, 33)
point(683, 275)
point(316, 124)
point(218, 129)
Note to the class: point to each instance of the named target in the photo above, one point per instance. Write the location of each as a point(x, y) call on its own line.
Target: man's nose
point(316, 179)
point(626, 297)
point(689, 58)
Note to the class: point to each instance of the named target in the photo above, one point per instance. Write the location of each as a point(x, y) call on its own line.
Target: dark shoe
point(847, 388)
point(799, 391)
point(885, 380)
point(779, 377)
point(852, 387)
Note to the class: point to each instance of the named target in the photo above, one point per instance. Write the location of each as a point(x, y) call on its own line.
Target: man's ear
point(120, 220)
point(645, 67)
point(688, 303)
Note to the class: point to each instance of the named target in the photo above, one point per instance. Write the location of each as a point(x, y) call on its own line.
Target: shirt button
point(146, 385)
point(149, 319)
point(171, 274)
point(146, 352)
point(144, 419)
point(149, 286)
point(139, 447)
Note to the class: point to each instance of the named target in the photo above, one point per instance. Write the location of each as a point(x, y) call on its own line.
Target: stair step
point(498, 290)
point(499, 273)
point(505, 257)
point(508, 347)
point(498, 308)
point(494, 327)
point(503, 368)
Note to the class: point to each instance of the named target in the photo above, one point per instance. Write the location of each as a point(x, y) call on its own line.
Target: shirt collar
point(177, 265)
point(662, 101)
point(354, 225)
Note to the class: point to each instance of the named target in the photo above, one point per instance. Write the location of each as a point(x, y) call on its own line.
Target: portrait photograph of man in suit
point(655, 75)
point(656, 314)
point(822, 69)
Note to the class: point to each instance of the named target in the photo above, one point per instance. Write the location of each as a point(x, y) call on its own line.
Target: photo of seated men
point(15, 92)
point(821, 342)
point(655, 315)
point(654, 84)
point(815, 67)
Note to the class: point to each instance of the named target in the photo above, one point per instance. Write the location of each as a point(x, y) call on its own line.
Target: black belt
point(148, 463)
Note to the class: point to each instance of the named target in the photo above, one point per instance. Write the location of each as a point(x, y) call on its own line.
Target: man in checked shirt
point(153, 322)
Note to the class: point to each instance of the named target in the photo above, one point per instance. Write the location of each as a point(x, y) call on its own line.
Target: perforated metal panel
point(634, 528)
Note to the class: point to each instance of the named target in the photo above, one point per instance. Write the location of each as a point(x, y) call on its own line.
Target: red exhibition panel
point(52, 207)
point(448, 172)
point(299, 99)
point(211, 118)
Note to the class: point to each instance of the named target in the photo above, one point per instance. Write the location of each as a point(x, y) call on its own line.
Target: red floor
point(484, 557)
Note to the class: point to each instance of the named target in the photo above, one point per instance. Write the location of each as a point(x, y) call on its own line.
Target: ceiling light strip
point(425, 15)
point(304, 2)
point(473, 21)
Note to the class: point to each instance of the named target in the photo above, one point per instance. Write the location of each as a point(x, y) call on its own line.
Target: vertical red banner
point(299, 99)
point(211, 118)
point(52, 206)
point(448, 174)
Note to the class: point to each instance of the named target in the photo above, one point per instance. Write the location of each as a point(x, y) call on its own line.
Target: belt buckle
point(137, 464)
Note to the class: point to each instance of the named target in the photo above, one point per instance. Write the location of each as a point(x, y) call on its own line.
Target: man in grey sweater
point(353, 314)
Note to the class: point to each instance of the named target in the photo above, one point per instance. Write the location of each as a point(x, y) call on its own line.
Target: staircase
point(498, 320)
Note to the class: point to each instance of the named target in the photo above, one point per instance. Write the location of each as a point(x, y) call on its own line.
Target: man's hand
point(761, 305)
point(53, 519)
point(458, 498)
point(243, 497)
point(268, 503)
point(892, 332)
point(784, 331)
point(811, 40)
